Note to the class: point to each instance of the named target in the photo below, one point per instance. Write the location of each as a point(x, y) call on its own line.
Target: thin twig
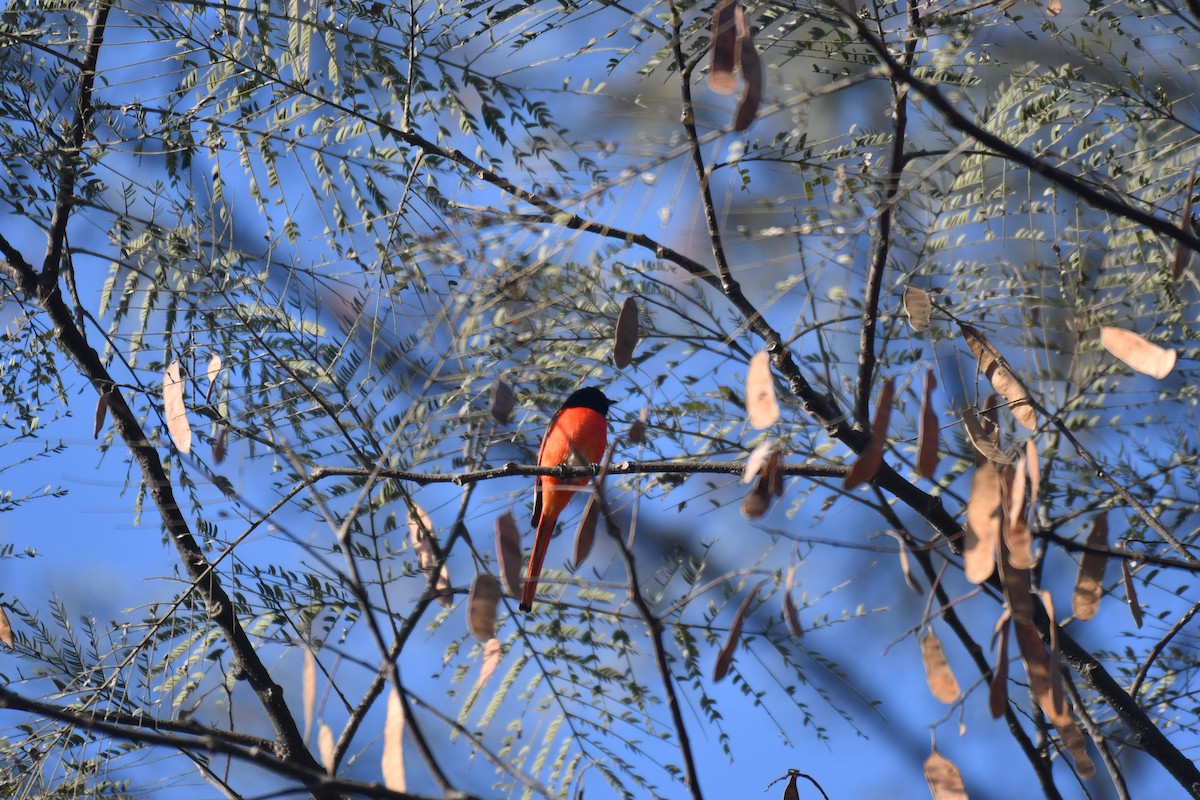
point(71, 153)
point(312, 777)
point(1097, 736)
point(808, 470)
point(882, 241)
point(655, 626)
point(1159, 646)
point(1041, 765)
point(1152, 740)
point(1100, 199)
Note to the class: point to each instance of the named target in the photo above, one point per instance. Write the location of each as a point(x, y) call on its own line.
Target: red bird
point(578, 434)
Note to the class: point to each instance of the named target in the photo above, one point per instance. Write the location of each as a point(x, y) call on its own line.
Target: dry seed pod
point(1002, 380)
point(1140, 354)
point(1033, 464)
point(502, 401)
point(981, 440)
point(755, 461)
point(101, 412)
point(626, 337)
point(773, 472)
point(1038, 667)
point(985, 519)
point(945, 781)
point(308, 684)
point(1135, 609)
point(927, 440)
point(1072, 739)
point(393, 744)
point(762, 409)
point(725, 48)
point(585, 534)
point(1017, 585)
point(491, 660)
point(791, 792)
point(1183, 253)
point(918, 308)
point(175, 410)
point(482, 603)
point(871, 458)
point(758, 500)
point(905, 567)
point(220, 444)
point(1090, 583)
point(1017, 537)
point(420, 534)
point(6, 634)
point(941, 680)
point(325, 747)
point(752, 73)
point(725, 657)
point(998, 691)
point(508, 552)
point(637, 431)
point(790, 615)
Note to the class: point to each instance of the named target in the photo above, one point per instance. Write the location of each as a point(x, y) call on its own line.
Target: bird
point(577, 435)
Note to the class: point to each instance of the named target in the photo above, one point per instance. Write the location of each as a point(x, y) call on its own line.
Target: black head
point(589, 397)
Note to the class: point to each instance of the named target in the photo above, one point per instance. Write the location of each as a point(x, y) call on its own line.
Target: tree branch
point(314, 778)
point(1101, 199)
point(71, 152)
